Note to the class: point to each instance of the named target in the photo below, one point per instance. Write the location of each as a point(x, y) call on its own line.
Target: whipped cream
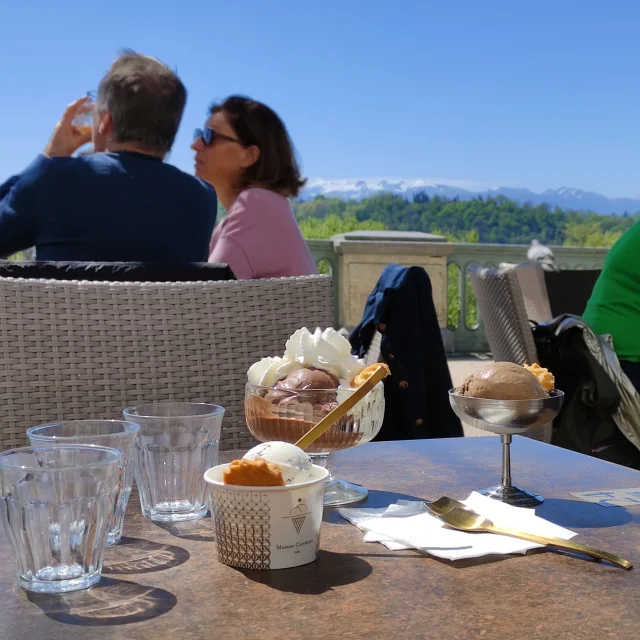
point(326, 350)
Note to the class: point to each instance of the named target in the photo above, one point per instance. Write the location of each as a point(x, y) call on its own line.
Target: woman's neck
point(226, 195)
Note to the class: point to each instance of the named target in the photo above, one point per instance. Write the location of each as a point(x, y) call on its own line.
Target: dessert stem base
point(338, 492)
point(513, 495)
point(505, 491)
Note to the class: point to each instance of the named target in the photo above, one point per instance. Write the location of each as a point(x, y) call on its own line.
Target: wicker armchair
point(502, 309)
point(534, 290)
point(503, 314)
point(79, 349)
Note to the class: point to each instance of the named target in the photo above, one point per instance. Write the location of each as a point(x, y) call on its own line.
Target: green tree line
point(493, 220)
point(487, 220)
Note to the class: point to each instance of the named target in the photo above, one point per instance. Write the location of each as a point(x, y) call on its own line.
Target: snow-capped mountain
point(364, 188)
point(565, 197)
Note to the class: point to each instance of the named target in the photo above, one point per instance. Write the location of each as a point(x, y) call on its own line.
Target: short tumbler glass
point(57, 503)
point(83, 121)
point(177, 443)
point(116, 434)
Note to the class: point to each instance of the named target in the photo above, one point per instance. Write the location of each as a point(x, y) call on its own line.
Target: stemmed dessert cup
point(286, 415)
point(508, 418)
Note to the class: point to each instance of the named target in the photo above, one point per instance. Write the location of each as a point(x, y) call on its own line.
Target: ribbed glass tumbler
point(115, 434)
point(57, 505)
point(177, 443)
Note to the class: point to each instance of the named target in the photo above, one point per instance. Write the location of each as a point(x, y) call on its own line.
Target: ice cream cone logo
point(298, 515)
point(298, 522)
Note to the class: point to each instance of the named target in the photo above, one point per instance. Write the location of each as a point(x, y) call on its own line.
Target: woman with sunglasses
point(245, 153)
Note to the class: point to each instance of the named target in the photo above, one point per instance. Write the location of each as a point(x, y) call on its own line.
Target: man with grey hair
point(122, 203)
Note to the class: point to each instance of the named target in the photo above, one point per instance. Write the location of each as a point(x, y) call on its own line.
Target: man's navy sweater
point(107, 207)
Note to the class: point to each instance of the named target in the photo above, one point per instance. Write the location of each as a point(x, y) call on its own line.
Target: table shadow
point(111, 602)
point(136, 555)
point(197, 530)
point(578, 514)
point(375, 500)
point(328, 571)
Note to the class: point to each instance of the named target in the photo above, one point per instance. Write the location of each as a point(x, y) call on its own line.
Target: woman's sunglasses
point(209, 136)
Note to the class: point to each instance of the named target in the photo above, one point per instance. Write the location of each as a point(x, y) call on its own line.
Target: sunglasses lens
point(205, 135)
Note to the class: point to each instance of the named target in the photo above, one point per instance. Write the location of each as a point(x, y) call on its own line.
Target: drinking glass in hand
point(177, 443)
point(116, 434)
point(83, 121)
point(57, 503)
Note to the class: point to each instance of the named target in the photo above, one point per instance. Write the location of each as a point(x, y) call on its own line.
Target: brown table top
point(165, 582)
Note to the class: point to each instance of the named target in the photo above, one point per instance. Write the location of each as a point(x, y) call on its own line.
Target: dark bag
point(585, 423)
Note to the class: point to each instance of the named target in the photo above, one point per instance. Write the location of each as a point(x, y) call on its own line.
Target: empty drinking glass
point(116, 434)
point(177, 443)
point(57, 503)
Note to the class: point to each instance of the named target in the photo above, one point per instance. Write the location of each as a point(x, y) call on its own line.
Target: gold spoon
point(443, 505)
point(467, 520)
point(333, 416)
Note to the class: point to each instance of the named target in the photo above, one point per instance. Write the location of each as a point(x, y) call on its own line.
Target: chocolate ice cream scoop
point(308, 379)
point(502, 381)
point(309, 385)
point(312, 386)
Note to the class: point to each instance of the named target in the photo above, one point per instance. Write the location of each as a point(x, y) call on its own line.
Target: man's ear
point(105, 125)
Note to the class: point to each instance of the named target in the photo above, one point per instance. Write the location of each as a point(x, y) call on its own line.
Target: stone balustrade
point(356, 260)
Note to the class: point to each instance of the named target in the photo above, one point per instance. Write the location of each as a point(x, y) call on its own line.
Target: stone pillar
point(362, 255)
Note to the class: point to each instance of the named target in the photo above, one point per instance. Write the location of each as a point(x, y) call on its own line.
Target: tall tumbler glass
point(116, 434)
point(177, 443)
point(56, 505)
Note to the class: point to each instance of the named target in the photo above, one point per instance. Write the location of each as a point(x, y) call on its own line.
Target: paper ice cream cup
point(266, 527)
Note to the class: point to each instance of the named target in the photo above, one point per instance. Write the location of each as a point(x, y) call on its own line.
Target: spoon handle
point(563, 544)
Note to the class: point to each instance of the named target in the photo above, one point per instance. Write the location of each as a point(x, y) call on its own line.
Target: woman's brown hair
point(256, 124)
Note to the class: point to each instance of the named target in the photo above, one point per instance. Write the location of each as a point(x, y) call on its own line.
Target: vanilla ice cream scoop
point(293, 462)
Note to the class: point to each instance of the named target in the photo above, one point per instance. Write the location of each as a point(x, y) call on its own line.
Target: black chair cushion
point(116, 271)
point(569, 290)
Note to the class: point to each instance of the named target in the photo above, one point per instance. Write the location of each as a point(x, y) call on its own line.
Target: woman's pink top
point(260, 238)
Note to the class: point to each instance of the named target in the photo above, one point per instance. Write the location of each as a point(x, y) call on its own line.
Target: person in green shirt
point(614, 306)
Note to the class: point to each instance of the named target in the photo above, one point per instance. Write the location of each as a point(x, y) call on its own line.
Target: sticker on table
point(611, 497)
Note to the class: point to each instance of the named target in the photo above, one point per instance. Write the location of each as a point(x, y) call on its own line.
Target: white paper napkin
point(408, 525)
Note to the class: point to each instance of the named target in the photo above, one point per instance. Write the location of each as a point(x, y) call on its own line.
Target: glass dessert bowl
point(277, 414)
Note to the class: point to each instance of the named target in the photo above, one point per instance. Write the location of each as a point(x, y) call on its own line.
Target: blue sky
point(482, 92)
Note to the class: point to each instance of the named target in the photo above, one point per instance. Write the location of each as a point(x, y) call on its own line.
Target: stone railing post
point(362, 255)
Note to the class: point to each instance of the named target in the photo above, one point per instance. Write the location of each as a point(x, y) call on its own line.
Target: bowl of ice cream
point(276, 414)
point(507, 398)
point(287, 395)
point(267, 507)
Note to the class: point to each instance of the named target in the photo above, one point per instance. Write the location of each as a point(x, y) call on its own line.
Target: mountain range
point(565, 197)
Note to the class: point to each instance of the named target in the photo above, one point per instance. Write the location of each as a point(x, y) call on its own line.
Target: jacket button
point(382, 327)
point(403, 384)
point(418, 422)
point(390, 356)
